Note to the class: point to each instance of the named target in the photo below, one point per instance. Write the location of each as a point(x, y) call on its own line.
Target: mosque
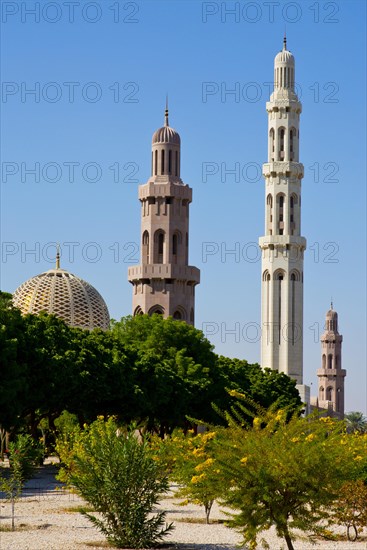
point(164, 282)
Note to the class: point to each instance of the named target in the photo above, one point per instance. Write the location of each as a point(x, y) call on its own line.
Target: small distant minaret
point(164, 282)
point(283, 246)
point(331, 375)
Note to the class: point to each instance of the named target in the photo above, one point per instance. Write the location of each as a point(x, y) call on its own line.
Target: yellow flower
point(244, 460)
point(256, 423)
point(358, 457)
point(295, 439)
point(310, 437)
point(196, 479)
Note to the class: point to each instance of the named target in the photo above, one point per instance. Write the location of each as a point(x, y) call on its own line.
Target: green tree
point(350, 508)
point(116, 473)
point(175, 367)
point(356, 422)
point(189, 459)
point(273, 471)
point(13, 368)
point(24, 455)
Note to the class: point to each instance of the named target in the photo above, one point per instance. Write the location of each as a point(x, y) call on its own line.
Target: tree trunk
point(288, 540)
point(13, 513)
point(208, 507)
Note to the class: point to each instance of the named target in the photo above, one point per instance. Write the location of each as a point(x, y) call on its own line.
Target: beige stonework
point(164, 282)
point(331, 375)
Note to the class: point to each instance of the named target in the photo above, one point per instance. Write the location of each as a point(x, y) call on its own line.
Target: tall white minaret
point(282, 246)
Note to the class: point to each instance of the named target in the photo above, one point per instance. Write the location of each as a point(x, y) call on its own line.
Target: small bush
point(116, 474)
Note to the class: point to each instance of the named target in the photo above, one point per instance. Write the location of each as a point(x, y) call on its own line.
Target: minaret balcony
point(331, 372)
point(282, 241)
point(165, 189)
point(164, 271)
point(286, 168)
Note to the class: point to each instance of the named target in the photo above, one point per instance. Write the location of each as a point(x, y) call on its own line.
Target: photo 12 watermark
point(69, 92)
point(69, 172)
point(270, 12)
point(29, 12)
point(70, 252)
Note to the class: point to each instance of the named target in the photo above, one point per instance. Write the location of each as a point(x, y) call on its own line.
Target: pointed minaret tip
point(58, 257)
point(331, 303)
point(166, 112)
point(285, 41)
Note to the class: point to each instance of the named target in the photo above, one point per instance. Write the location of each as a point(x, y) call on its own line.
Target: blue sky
point(100, 90)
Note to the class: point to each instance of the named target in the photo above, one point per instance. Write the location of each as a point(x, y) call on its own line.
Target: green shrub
point(115, 472)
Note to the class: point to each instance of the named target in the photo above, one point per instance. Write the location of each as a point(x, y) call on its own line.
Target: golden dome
point(63, 294)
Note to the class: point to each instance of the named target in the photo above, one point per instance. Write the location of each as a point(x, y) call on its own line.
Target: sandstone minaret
point(282, 246)
point(331, 375)
point(164, 282)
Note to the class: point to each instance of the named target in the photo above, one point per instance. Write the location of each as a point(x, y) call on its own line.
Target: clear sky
point(100, 72)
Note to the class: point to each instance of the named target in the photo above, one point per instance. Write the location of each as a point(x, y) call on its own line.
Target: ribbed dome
point(59, 292)
point(284, 57)
point(331, 314)
point(166, 134)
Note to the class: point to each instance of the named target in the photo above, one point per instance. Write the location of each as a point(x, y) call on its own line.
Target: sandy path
point(44, 523)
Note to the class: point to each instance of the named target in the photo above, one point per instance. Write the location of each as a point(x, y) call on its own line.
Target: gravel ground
point(45, 521)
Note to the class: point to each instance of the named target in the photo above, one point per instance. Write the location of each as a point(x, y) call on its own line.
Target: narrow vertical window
point(174, 245)
point(293, 305)
point(280, 279)
point(146, 247)
point(162, 162)
point(156, 163)
point(170, 161)
point(176, 164)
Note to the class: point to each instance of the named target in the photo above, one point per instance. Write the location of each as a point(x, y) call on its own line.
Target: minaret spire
point(58, 257)
point(285, 41)
point(166, 123)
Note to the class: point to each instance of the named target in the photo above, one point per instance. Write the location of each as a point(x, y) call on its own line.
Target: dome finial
point(58, 257)
point(166, 123)
point(285, 40)
point(331, 303)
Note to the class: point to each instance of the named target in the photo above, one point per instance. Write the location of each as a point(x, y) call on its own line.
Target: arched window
point(174, 244)
point(323, 361)
point(281, 144)
point(162, 161)
point(293, 305)
point(269, 213)
point(271, 145)
point(159, 247)
point(138, 311)
point(156, 162)
point(321, 393)
point(176, 165)
point(279, 276)
point(330, 361)
point(329, 394)
point(180, 313)
point(145, 251)
point(170, 161)
point(157, 309)
point(280, 215)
